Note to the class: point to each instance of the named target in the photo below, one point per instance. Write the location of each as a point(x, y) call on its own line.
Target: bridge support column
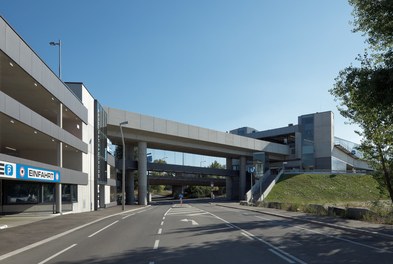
point(142, 173)
point(242, 178)
point(229, 183)
point(130, 194)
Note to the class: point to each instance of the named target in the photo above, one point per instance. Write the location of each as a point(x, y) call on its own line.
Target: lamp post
point(52, 43)
point(123, 178)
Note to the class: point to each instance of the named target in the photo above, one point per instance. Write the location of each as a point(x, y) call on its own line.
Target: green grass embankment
point(326, 189)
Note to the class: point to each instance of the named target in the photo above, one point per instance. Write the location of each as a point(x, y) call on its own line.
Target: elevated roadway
point(144, 132)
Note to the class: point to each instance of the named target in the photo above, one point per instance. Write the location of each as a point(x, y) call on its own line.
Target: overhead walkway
point(144, 132)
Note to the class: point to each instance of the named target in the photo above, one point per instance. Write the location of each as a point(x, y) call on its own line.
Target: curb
point(313, 221)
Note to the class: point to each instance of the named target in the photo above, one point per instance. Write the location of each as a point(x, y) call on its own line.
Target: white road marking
point(156, 244)
point(193, 222)
point(197, 214)
point(345, 240)
point(57, 254)
point(263, 218)
point(159, 231)
point(162, 223)
point(124, 217)
point(260, 240)
point(246, 235)
point(102, 229)
point(184, 212)
point(39, 243)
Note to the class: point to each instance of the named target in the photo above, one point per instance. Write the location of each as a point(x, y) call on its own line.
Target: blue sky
point(218, 64)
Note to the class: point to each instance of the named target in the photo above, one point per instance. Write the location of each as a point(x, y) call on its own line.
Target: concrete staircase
point(263, 186)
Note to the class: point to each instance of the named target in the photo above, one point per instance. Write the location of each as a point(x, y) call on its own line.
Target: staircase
point(262, 187)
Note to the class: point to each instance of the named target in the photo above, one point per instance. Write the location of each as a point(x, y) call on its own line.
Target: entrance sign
point(37, 174)
point(25, 172)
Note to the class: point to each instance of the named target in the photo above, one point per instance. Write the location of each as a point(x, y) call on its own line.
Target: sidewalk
point(385, 231)
point(25, 229)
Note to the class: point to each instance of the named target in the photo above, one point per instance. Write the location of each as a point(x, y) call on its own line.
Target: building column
point(58, 188)
point(130, 194)
point(228, 180)
point(142, 173)
point(242, 178)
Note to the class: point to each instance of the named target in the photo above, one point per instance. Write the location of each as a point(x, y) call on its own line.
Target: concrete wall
point(13, 45)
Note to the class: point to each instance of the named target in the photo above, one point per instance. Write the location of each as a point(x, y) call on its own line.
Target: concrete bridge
point(144, 132)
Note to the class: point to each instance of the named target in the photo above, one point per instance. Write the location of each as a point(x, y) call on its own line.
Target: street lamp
point(123, 178)
point(58, 44)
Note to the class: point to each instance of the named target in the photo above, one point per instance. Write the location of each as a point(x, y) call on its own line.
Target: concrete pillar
point(130, 182)
point(229, 180)
point(58, 199)
point(242, 178)
point(142, 173)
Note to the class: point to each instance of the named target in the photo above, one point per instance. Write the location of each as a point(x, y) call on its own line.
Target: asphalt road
point(206, 233)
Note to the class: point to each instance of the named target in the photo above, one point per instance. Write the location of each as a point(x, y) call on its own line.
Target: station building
point(312, 145)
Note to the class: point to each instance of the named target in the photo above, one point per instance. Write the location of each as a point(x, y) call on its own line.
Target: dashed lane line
point(102, 229)
point(57, 254)
point(156, 243)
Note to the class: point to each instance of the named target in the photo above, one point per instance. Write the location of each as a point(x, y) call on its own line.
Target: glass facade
point(307, 129)
point(349, 146)
point(20, 192)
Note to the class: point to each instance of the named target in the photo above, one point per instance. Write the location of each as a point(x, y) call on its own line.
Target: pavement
point(23, 230)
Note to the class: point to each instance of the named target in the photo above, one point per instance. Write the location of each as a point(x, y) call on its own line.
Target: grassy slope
point(313, 188)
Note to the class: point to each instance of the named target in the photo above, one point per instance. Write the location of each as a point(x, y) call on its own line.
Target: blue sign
point(251, 169)
point(8, 170)
point(30, 173)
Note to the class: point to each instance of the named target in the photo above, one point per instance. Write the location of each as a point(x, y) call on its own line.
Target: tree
point(365, 93)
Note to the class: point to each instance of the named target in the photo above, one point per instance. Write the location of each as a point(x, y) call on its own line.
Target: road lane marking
point(57, 254)
point(162, 223)
point(159, 231)
point(39, 243)
point(102, 229)
point(198, 214)
point(246, 235)
point(260, 239)
point(156, 244)
point(281, 256)
point(167, 211)
point(193, 222)
point(345, 240)
point(128, 216)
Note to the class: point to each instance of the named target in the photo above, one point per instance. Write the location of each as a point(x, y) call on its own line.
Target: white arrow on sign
point(193, 222)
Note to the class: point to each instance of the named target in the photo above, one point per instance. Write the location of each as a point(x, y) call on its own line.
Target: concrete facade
point(312, 145)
